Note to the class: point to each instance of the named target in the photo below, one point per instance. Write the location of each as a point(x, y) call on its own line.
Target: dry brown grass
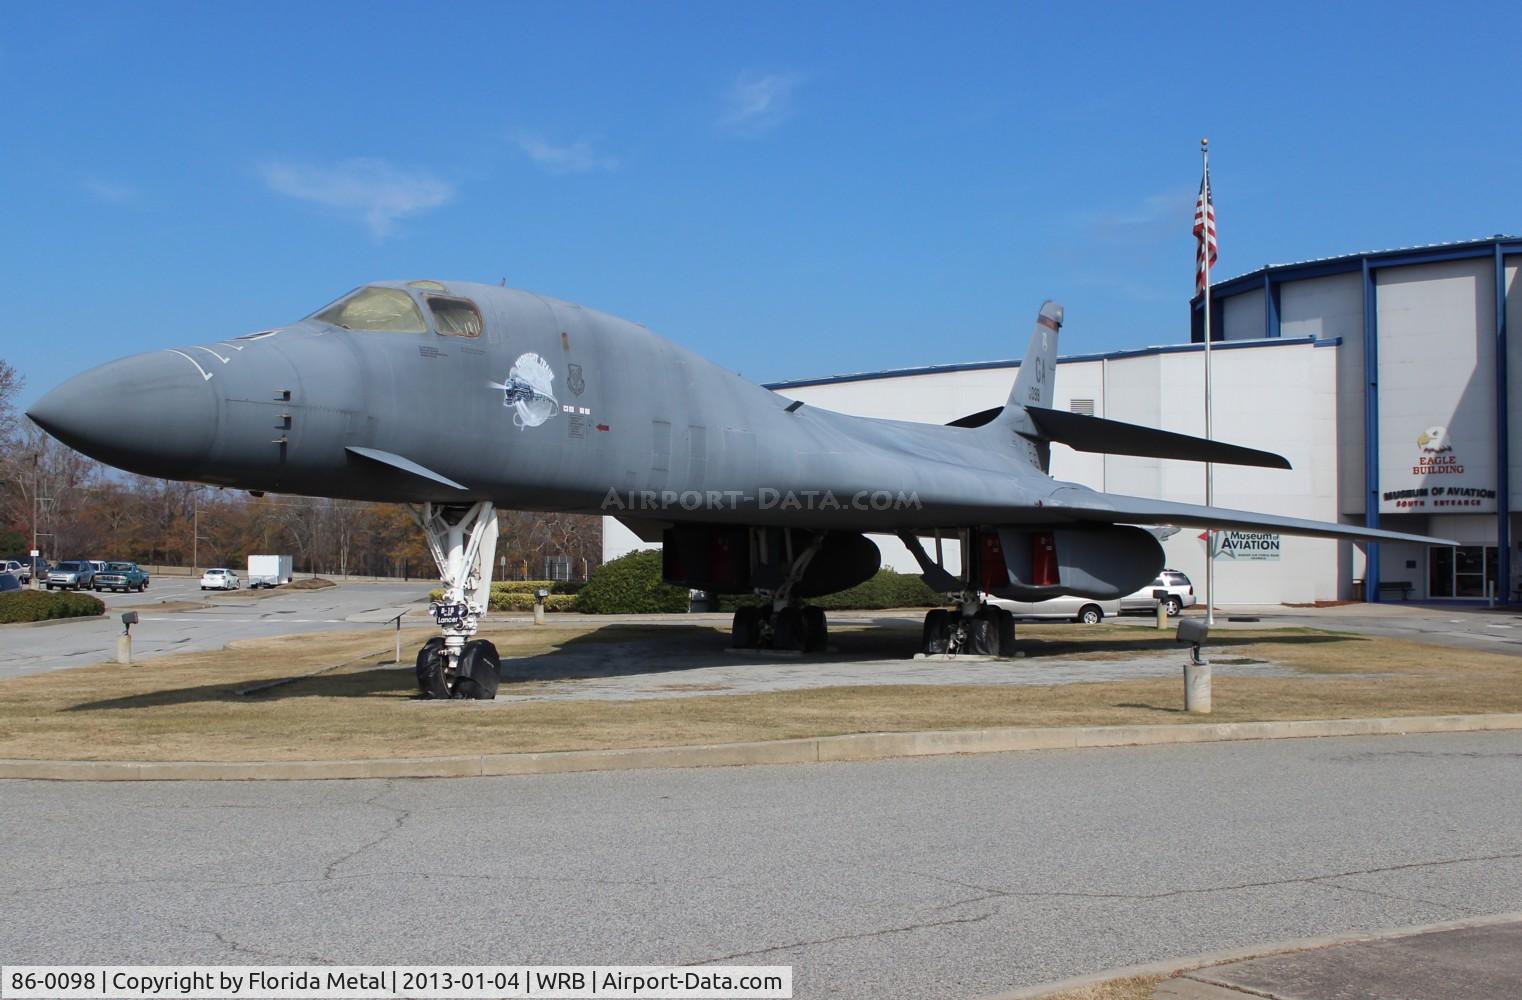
point(185, 707)
point(1130, 988)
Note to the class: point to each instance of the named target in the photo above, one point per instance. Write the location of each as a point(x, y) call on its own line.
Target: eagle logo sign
point(1433, 440)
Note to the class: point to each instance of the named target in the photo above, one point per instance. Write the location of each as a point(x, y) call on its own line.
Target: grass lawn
point(187, 707)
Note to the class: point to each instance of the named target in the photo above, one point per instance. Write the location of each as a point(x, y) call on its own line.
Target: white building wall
point(1243, 317)
point(1269, 396)
point(1331, 308)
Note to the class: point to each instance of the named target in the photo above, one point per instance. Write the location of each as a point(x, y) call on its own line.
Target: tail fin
point(1033, 386)
point(1030, 424)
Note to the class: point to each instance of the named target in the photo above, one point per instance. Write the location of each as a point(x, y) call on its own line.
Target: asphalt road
point(230, 616)
point(945, 877)
point(1496, 630)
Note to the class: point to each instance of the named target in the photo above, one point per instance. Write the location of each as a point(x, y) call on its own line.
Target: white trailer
point(269, 571)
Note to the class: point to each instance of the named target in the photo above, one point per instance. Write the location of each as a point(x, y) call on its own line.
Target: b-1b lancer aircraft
point(460, 398)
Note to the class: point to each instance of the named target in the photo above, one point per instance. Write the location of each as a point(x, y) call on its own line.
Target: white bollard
point(538, 612)
point(1162, 615)
point(124, 649)
point(1197, 688)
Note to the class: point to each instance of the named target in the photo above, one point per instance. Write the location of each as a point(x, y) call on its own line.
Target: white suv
point(1180, 594)
point(219, 579)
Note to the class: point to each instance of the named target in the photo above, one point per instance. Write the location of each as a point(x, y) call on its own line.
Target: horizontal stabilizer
point(1087, 505)
point(1112, 437)
point(401, 464)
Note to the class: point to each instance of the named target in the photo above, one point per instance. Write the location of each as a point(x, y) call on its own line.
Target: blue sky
point(790, 189)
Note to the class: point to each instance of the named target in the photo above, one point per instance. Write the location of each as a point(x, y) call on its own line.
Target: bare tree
point(11, 384)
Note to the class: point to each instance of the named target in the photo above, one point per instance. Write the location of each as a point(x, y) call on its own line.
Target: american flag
point(1204, 232)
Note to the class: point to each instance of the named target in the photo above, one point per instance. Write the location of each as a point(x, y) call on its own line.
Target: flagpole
point(1209, 468)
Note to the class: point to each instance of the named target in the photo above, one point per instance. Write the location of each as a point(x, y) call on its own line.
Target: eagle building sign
point(1439, 479)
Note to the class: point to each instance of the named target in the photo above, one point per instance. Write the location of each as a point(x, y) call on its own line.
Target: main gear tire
point(745, 631)
point(788, 631)
point(431, 662)
point(1006, 632)
point(935, 637)
point(479, 673)
point(816, 630)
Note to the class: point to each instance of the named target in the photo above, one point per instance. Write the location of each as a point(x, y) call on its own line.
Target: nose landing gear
point(461, 540)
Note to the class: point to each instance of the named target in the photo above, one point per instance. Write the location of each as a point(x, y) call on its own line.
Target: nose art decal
point(529, 390)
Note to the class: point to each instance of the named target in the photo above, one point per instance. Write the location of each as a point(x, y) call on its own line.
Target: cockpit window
point(455, 317)
point(389, 310)
point(428, 285)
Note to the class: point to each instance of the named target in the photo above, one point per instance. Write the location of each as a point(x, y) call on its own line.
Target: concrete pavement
point(1475, 962)
point(230, 616)
point(1494, 630)
point(947, 876)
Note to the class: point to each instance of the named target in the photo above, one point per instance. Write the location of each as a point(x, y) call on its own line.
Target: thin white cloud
point(372, 191)
point(758, 102)
point(1156, 218)
point(579, 157)
point(109, 191)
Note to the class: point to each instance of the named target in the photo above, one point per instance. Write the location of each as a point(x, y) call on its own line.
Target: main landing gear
point(974, 627)
point(462, 540)
point(782, 622)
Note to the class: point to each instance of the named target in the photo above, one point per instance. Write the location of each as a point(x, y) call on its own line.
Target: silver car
point(71, 575)
point(1085, 610)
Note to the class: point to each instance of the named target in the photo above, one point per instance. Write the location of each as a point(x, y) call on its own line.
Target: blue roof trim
point(978, 366)
point(1353, 263)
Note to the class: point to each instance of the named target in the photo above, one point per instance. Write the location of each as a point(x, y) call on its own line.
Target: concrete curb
point(56, 621)
point(809, 750)
point(1177, 966)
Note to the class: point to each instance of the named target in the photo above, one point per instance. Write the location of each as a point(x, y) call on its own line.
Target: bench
point(1403, 587)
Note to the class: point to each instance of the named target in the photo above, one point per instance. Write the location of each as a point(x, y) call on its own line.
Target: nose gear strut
point(462, 540)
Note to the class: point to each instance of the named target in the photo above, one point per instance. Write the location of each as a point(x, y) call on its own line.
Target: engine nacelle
point(725, 559)
point(1103, 561)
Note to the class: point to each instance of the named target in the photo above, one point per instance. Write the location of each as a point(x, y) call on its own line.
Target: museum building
point(1382, 376)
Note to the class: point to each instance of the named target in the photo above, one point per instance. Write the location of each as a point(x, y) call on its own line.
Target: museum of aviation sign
point(1245, 546)
point(1435, 463)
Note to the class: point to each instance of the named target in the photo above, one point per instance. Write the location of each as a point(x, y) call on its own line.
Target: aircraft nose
point(154, 414)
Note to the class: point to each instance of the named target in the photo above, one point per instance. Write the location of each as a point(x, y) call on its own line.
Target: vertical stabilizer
point(1033, 385)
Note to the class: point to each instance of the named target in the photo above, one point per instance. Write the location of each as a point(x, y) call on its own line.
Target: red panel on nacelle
point(992, 573)
point(1044, 560)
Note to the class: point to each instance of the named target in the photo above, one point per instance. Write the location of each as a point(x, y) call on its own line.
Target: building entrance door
point(1461, 570)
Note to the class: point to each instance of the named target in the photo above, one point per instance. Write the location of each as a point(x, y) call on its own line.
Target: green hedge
point(518, 595)
point(36, 606)
point(886, 589)
point(509, 601)
point(529, 586)
point(630, 584)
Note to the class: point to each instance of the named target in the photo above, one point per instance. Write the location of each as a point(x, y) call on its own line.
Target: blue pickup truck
point(122, 576)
